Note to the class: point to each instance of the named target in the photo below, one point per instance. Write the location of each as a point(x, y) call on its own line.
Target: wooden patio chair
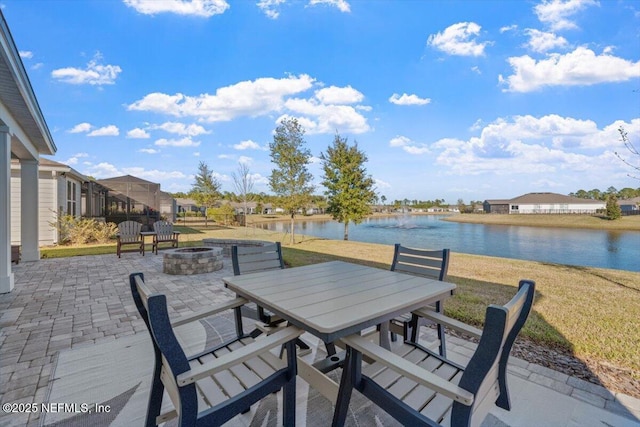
point(129, 235)
point(253, 259)
point(433, 264)
point(419, 387)
point(164, 233)
point(214, 385)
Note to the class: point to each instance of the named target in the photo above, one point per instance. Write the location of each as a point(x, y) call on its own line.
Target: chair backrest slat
point(252, 259)
point(129, 231)
point(420, 262)
point(163, 228)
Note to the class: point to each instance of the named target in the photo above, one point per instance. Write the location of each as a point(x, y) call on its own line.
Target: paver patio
point(66, 303)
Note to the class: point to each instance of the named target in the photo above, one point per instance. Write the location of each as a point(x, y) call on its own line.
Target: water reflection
point(596, 248)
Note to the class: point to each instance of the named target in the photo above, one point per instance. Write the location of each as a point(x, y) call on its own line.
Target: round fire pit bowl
point(192, 260)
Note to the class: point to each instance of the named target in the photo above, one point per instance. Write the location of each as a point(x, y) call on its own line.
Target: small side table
point(144, 235)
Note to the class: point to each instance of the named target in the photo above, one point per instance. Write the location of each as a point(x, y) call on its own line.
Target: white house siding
point(49, 196)
point(52, 197)
point(15, 207)
point(555, 208)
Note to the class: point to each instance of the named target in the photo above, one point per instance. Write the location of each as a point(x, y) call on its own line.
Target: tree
point(383, 199)
point(243, 182)
point(461, 206)
point(613, 208)
point(206, 190)
point(632, 149)
point(290, 179)
point(349, 189)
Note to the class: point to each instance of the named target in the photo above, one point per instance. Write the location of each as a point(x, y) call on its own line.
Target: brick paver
point(65, 302)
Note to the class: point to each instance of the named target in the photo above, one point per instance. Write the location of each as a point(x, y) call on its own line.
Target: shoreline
point(626, 223)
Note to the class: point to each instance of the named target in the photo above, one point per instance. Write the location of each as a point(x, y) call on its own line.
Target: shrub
point(613, 208)
point(225, 214)
point(78, 231)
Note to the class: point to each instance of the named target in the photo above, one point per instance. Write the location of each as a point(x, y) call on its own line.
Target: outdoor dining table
point(334, 299)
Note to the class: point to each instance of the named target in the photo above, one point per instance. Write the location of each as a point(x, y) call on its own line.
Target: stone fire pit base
point(192, 260)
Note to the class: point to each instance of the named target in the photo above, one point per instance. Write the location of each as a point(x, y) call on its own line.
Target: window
point(514, 207)
point(71, 198)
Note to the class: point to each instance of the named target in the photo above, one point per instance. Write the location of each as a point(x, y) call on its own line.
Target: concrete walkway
point(65, 302)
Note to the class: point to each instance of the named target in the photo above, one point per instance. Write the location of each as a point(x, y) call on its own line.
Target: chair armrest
point(241, 355)
point(208, 311)
point(448, 321)
point(409, 370)
point(176, 232)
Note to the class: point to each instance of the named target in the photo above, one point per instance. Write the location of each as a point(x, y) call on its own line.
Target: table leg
point(384, 336)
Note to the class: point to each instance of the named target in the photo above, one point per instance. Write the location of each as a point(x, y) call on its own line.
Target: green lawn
point(592, 313)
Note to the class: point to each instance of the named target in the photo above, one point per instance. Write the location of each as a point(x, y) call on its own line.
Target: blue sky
point(449, 99)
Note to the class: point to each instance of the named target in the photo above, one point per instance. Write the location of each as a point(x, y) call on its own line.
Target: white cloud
point(541, 42)
point(110, 130)
point(149, 150)
point(201, 8)
point(476, 69)
point(181, 128)
point(259, 179)
point(477, 125)
point(94, 74)
point(556, 13)
point(582, 67)
point(326, 118)
point(73, 160)
point(247, 98)
point(184, 142)
point(339, 95)
point(399, 141)
point(408, 99)
point(381, 185)
point(533, 145)
point(459, 39)
point(342, 5)
point(507, 28)
point(102, 170)
point(322, 113)
point(245, 160)
point(196, 153)
point(37, 66)
point(225, 156)
point(247, 145)
point(81, 128)
point(25, 54)
point(270, 7)
point(408, 145)
point(138, 133)
point(153, 175)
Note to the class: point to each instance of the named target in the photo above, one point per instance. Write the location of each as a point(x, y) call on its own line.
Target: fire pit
point(192, 260)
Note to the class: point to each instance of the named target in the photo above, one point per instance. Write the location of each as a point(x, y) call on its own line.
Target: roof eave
point(42, 139)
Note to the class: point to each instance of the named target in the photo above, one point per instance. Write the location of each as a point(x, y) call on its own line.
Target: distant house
point(60, 193)
point(187, 205)
point(630, 206)
point(238, 207)
point(543, 203)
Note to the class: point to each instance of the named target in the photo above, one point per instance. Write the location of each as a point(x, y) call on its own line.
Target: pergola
point(24, 136)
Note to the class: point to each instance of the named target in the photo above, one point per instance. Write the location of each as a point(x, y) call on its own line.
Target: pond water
point(595, 248)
